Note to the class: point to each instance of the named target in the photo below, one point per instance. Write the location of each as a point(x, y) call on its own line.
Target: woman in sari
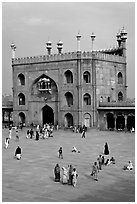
point(57, 173)
point(64, 175)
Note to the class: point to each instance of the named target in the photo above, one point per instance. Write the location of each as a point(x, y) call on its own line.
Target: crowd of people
point(64, 175)
point(41, 132)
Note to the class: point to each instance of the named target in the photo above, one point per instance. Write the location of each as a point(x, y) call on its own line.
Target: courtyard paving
point(31, 179)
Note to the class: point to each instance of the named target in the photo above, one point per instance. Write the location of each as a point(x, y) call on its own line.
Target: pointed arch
point(22, 117)
point(21, 99)
point(86, 77)
point(120, 78)
point(21, 79)
point(68, 77)
point(87, 99)
point(120, 96)
point(68, 120)
point(69, 98)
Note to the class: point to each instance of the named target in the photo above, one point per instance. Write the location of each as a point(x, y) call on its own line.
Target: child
point(60, 153)
point(95, 171)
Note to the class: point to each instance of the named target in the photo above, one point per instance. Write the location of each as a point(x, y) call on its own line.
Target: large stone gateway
point(69, 89)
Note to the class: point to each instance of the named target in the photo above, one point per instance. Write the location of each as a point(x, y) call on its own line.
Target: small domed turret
point(60, 46)
point(49, 47)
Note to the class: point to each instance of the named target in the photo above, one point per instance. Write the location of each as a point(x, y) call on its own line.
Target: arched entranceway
point(120, 122)
point(68, 120)
point(87, 120)
point(130, 122)
point(110, 121)
point(47, 115)
point(21, 118)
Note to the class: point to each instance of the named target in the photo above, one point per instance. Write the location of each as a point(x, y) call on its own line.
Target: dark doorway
point(110, 121)
point(48, 115)
point(22, 117)
point(130, 122)
point(68, 120)
point(120, 122)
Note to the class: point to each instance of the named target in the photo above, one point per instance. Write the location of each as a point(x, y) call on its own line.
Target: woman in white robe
point(64, 175)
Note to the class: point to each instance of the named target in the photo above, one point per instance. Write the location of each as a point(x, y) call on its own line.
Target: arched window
point(69, 77)
point(21, 98)
point(87, 99)
point(86, 77)
point(101, 98)
point(21, 78)
point(69, 98)
point(108, 98)
point(120, 78)
point(44, 84)
point(120, 96)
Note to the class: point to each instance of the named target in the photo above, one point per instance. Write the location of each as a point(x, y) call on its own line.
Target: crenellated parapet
point(109, 57)
point(68, 56)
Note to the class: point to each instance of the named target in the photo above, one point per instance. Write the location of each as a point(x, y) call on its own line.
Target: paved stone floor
point(31, 179)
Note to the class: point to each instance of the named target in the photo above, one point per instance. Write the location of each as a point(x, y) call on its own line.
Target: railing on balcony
point(116, 104)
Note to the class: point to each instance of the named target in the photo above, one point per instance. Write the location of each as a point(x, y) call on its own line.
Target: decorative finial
point(49, 47)
point(13, 48)
point(93, 36)
point(59, 46)
point(78, 36)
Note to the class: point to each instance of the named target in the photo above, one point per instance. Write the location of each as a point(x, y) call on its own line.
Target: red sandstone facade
point(67, 89)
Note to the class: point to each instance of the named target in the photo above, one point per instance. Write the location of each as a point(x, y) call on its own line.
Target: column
point(125, 122)
point(79, 88)
point(3, 114)
point(94, 107)
point(115, 121)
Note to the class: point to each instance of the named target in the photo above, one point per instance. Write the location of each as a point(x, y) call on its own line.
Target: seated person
point(107, 162)
point(74, 149)
point(129, 166)
point(112, 160)
point(18, 153)
point(132, 130)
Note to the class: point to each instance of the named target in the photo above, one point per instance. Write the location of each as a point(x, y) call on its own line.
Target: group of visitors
point(41, 132)
point(79, 129)
point(97, 165)
point(66, 175)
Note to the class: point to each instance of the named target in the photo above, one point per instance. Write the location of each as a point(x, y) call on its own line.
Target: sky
point(31, 24)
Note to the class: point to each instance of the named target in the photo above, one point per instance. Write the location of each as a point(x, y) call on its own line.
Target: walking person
point(31, 133)
point(10, 133)
point(83, 134)
point(60, 153)
point(6, 142)
point(37, 135)
point(74, 177)
point(27, 134)
point(94, 172)
point(100, 162)
point(70, 169)
point(57, 173)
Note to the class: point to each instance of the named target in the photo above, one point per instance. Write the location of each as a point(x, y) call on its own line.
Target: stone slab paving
point(31, 179)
